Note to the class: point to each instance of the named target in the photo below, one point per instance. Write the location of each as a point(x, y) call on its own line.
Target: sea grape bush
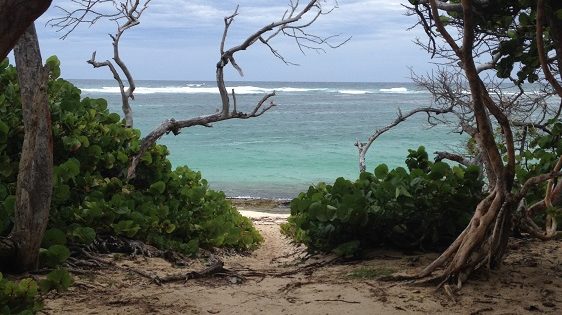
point(540, 157)
point(424, 207)
point(19, 297)
point(23, 296)
point(171, 209)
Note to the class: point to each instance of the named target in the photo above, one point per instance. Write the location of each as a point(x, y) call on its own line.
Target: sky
point(179, 40)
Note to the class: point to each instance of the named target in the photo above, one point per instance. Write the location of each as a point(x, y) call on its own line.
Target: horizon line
point(264, 81)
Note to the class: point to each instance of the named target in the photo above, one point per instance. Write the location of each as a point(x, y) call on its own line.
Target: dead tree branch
point(296, 19)
point(442, 155)
point(363, 147)
point(126, 15)
point(84, 12)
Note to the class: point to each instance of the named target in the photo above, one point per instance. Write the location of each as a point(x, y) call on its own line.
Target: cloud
point(182, 36)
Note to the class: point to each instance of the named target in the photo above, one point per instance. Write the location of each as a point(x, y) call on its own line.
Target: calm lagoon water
point(308, 138)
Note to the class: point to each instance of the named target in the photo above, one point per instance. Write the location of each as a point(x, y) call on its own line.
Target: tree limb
point(540, 49)
point(263, 35)
point(131, 12)
point(363, 147)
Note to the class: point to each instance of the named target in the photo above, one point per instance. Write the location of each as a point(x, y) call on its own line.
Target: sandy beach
point(280, 278)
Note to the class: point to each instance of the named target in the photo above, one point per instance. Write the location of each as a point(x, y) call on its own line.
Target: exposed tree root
point(481, 244)
point(215, 268)
point(116, 244)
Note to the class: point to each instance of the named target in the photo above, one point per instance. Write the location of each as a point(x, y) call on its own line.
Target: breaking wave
point(248, 89)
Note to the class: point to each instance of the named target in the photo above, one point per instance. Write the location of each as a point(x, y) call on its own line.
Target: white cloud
point(184, 34)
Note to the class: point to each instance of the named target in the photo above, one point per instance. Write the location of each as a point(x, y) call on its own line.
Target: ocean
point(309, 137)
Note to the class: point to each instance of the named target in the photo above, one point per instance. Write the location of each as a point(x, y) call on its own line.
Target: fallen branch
point(338, 300)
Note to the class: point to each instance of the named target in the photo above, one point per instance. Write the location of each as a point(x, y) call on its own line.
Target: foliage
point(58, 279)
point(23, 296)
point(510, 26)
point(425, 207)
point(18, 297)
point(540, 157)
point(172, 209)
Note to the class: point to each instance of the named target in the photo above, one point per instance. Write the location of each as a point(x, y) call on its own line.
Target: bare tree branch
point(540, 48)
point(84, 12)
point(363, 147)
point(131, 12)
point(441, 155)
point(312, 10)
point(174, 126)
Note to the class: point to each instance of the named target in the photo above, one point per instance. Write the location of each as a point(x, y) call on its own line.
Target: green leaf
point(170, 228)
point(347, 249)
point(147, 158)
point(438, 170)
point(401, 191)
point(61, 193)
point(58, 279)
point(54, 255)
point(381, 171)
point(444, 19)
point(158, 187)
point(84, 235)
point(114, 118)
point(95, 150)
point(126, 227)
point(318, 210)
point(52, 237)
point(69, 169)
point(53, 64)
point(27, 287)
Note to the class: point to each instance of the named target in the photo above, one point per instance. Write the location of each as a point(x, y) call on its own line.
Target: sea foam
point(189, 89)
point(401, 90)
point(354, 92)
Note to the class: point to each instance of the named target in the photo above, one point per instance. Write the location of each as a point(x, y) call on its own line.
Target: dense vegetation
point(426, 207)
point(171, 209)
point(538, 157)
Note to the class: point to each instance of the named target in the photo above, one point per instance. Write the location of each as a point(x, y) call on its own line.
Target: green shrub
point(19, 297)
point(23, 296)
point(425, 207)
point(172, 209)
point(540, 157)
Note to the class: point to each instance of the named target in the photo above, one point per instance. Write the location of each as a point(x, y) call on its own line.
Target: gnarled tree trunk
point(483, 243)
point(35, 176)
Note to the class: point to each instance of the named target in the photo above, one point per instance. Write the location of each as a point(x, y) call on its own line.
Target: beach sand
point(279, 278)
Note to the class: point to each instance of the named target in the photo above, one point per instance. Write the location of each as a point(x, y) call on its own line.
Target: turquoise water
point(308, 138)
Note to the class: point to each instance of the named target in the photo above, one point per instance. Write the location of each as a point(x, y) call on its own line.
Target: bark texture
point(483, 243)
point(15, 17)
point(35, 176)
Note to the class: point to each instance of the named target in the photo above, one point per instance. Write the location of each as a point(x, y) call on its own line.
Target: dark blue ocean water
point(308, 138)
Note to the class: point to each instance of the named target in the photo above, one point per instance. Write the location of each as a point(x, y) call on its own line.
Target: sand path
point(530, 282)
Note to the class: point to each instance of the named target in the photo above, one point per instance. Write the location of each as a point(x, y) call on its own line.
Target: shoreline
point(261, 205)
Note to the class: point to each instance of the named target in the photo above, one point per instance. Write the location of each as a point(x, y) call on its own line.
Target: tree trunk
point(15, 17)
point(35, 176)
point(483, 242)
